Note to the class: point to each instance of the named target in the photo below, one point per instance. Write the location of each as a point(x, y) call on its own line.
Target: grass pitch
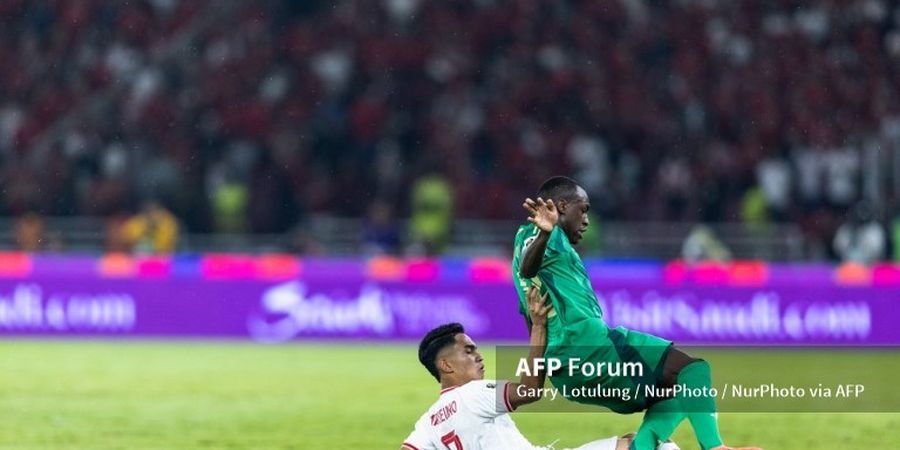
point(95, 395)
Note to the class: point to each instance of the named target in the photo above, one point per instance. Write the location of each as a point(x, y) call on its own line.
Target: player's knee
point(701, 365)
point(676, 360)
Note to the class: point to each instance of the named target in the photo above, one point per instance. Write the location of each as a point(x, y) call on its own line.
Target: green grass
point(159, 395)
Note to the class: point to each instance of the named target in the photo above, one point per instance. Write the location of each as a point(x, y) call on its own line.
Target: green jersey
point(577, 320)
point(576, 329)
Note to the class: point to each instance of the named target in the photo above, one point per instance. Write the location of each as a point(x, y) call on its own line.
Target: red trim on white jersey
point(444, 391)
point(509, 407)
point(410, 446)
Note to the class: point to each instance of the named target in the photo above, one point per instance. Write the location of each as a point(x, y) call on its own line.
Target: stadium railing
point(470, 238)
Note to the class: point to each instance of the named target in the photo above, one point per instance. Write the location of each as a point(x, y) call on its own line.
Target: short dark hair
point(558, 187)
point(435, 341)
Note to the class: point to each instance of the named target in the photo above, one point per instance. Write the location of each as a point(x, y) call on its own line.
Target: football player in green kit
point(544, 256)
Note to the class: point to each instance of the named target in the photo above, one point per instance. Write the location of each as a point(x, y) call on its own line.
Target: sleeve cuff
point(506, 403)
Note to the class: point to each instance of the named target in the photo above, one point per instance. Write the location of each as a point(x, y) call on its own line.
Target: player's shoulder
point(524, 236)
point(470, 393)
point(479, 387)
point(481, 384)
point(524, 231)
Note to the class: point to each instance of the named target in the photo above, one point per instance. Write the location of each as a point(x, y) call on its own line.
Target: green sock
point(700, 410)
point(660, 421)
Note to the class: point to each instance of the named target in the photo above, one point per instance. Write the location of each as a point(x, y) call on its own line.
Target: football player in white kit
point(473, 413)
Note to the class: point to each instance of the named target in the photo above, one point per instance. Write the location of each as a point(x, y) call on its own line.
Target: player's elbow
point(537, 395)
point(524, 400)
point(526, 274)
point(531, 394)
point(522, 393)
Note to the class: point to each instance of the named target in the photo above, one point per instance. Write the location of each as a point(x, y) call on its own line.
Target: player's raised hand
point(538, 306)
point(542, 213)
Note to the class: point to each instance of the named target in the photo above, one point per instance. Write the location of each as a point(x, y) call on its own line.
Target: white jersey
point(474, 416)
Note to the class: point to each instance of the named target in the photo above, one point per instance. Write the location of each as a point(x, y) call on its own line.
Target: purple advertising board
point(354, 307)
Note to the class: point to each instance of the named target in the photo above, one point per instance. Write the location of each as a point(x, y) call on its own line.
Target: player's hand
point(542, 213)
point(538, 306)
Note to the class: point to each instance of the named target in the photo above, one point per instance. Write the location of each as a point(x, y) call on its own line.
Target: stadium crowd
point(682, 110)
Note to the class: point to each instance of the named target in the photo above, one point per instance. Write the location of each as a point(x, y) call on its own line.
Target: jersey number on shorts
point(451, 439)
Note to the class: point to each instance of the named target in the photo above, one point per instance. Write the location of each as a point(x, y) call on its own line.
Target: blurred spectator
point(703, 245)
point(843, 166)
point(774, 178)
point(30, 233)
point(229, 204)
point(153, 230)
point(273, 209)
point(677, 183)
point(432, 210)
point(754, 210)
point(381, 234)
point(114, 234)
point(589, 156)
point(861, 239)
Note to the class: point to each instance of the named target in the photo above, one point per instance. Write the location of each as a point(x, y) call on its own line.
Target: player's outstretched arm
point(532, 384)
point(544, 215)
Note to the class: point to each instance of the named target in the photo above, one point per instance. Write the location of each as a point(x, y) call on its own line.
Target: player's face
point(574, 217)
point(466, 360)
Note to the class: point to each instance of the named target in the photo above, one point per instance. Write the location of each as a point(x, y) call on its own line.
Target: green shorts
point(622, 350)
